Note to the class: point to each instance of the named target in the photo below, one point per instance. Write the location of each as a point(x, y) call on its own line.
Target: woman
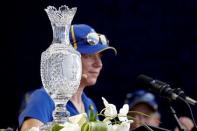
point(91, 45)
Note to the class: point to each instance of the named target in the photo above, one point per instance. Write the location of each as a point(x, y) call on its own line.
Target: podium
point(142, 128)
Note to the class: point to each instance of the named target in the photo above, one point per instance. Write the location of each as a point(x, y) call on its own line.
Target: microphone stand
point(180, 126)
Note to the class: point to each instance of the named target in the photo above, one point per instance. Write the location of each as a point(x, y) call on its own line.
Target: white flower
point(70, 127)
point(111, 112)
point(34, 129)
point(79, 119)
point(114, 127)
point(110, 109)
point(124, 126)
point(122, 116)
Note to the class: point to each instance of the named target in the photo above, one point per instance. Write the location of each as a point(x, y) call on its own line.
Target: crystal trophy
point(60, 63)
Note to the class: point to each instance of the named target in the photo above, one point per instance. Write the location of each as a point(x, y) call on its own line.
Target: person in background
point(92, 46)
point(145, 102)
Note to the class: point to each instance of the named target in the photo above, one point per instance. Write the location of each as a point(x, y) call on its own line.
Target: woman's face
point(91, 67)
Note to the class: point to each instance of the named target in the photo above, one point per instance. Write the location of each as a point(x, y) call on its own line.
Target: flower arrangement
point(113, 120)
point(116, 121)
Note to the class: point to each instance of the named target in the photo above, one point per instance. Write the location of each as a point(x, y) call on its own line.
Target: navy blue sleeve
point(39, 106)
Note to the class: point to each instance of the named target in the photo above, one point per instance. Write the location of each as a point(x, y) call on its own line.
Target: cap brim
point(108, 48)
point(94, 49)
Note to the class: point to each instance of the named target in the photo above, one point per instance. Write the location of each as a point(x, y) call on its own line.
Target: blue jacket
point(40, 106)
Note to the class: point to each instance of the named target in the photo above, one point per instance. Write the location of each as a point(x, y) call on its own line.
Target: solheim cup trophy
point(60, 63)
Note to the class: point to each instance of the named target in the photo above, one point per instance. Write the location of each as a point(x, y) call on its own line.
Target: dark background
point(153, 37)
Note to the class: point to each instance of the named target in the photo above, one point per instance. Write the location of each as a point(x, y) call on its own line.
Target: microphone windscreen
point(143, 81)
point(144, 78)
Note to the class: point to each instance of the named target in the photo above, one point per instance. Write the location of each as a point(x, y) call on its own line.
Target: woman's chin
point(91, 82)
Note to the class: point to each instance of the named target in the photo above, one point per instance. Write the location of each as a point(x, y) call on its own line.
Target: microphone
point(164, 89)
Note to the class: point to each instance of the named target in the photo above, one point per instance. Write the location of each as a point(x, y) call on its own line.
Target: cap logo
point(73, 37)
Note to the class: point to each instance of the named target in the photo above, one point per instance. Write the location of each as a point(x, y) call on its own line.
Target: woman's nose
point(98, 61)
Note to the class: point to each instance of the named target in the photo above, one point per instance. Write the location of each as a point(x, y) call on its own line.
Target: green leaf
point(94, 126)
point(57, 127)
point(85, 127)
point(98, 126)
point(92, 115)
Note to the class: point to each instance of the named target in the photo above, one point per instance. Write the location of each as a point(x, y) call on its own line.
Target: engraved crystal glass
point(60, 63)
